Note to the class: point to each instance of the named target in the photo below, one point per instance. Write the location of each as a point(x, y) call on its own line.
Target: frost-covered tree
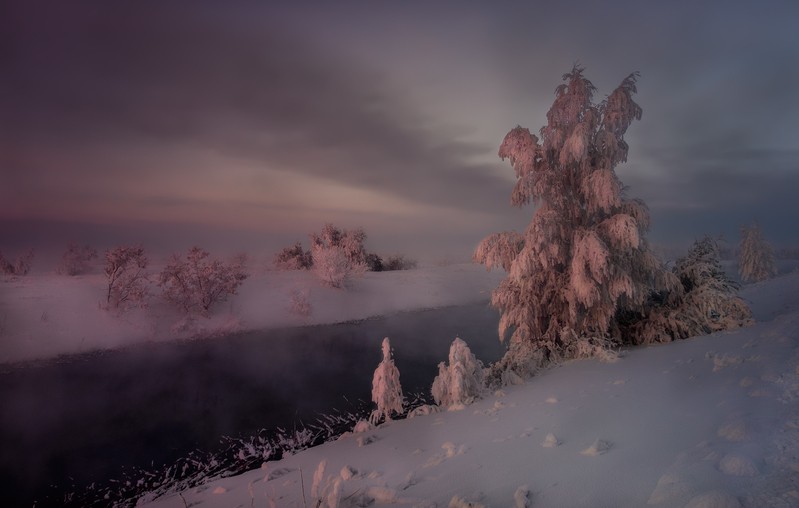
point(705, 303)
point(756, 257)
point(197, 283)
point(584, 257)
point(127, 280)
point(351, 242)
point(461, 381)
point(338, 254)
point(76, 259)
point(386, 389)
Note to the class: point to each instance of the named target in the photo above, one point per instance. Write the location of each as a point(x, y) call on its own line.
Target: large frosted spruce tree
point(583, 260)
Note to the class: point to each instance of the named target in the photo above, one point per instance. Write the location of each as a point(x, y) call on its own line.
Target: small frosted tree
point(76, 259)
point(386, 389)
point(460, 382)
point(756, 257)
point(584, 257)
point(127, 281)
point(197, 283)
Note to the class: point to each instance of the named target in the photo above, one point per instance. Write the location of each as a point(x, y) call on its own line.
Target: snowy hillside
point(707, 422)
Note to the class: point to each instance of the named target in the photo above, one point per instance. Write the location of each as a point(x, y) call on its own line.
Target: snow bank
point(663, 427)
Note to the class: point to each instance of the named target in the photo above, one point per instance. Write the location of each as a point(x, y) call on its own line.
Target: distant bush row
point(193, 284)
point(336, 254)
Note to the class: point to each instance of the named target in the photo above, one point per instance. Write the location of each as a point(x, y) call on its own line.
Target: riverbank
point(48, 315)
point(709, 421)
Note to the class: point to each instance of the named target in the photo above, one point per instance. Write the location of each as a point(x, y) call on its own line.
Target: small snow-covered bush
point(338, 254)
point(293, 258)
point(197, 283)
point(374, 263)
point(76, 260)
point(127, 281)
point(350, 242)
point(386, 389)
point(704, 302)
point(462, 381)
point(331, 266)
point(20, 267)
point(756, 258)
point(398, 262)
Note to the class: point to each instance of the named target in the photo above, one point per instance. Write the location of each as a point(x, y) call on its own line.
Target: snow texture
point(482, 457)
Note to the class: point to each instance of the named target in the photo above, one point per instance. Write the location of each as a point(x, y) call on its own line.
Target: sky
point(247, 125)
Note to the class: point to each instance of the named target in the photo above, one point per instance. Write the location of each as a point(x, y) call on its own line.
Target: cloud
point(120, 93)
point(714, 189)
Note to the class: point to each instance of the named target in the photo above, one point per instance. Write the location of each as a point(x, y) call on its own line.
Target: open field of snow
point(46, 315)
point(707, 422)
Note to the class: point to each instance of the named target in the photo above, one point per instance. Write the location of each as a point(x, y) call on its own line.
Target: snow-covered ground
point(47, 315)
point(707, 422)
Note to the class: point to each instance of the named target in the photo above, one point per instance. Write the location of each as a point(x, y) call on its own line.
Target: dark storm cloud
point(124, 77)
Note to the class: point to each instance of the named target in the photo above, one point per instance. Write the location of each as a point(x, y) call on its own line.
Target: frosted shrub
point(293, 258)
point(386, 389)
point(756, 258)
point(197, 283)
point(338, 254)
point(21, 266)
point(350, 242)
point(704, 302)
point(127, 281)
point(584, 259)
point(76, 260)
point(331, 266)
point(398, 262)
point(462, 381)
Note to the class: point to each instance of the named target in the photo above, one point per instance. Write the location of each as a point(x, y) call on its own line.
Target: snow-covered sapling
point(386, 389)
point(756, 257)
point(462, 381)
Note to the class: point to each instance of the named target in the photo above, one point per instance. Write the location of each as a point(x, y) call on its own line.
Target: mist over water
point(90, 418)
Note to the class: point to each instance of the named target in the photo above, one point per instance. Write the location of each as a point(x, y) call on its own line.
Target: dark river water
point(65, 424)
